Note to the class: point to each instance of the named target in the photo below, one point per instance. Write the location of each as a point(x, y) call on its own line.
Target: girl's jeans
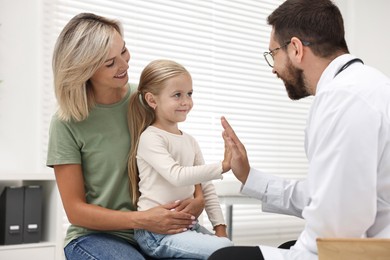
point(197, 243)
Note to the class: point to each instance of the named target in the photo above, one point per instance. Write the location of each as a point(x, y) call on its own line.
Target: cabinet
point(51, 246)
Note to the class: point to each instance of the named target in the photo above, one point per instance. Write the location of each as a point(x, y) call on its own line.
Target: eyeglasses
point(269, 55)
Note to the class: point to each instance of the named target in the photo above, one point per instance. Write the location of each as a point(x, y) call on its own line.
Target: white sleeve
point(278, 195)
point(212, 205)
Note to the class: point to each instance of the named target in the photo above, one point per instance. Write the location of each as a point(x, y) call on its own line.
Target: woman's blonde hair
point(141, 115)
point(81, 48)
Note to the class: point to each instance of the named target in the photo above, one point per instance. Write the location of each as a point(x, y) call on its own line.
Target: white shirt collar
point(331, 70)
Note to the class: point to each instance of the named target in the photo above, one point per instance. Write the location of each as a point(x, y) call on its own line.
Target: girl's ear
point(149, 97)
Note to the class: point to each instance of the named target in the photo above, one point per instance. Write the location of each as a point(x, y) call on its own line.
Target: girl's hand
point(220, 231)
point(226, 163)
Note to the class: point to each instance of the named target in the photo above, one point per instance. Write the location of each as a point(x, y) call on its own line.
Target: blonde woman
point(170, 163)
point(89, 144)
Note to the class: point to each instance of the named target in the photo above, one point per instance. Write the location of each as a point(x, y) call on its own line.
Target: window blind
point(221, 43)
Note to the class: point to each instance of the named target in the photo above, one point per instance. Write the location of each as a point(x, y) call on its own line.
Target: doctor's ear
point(150, 99)
point(297, 47)
point(296, 43)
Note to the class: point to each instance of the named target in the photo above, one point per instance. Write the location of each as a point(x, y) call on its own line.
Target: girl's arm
point(153, 151)
point(211, 199)
point(220, 231)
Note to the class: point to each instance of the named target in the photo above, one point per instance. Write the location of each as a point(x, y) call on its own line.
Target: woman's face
point(113, 73)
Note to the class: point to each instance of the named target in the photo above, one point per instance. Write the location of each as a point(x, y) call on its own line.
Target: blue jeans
point(197, 243)
point(101, 246)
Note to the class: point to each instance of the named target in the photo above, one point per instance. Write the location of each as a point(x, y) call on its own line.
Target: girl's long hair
point(141, 115)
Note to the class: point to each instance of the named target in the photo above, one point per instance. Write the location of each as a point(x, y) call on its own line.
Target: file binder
point(11, 215)
point(32, 231)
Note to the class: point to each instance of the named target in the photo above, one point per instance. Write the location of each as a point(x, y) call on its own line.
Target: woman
point(89, 144)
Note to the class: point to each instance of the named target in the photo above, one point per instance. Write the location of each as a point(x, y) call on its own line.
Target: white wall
point(366, 24)
point(22, 75)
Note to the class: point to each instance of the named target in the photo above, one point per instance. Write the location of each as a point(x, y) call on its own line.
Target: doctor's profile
point(346, 192)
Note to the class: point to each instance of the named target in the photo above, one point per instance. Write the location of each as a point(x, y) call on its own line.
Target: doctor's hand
point(239, 162)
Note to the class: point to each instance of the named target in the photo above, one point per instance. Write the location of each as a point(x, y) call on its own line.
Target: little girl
point(167, 163)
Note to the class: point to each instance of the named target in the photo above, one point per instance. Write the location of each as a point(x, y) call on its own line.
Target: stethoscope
point(346, 65)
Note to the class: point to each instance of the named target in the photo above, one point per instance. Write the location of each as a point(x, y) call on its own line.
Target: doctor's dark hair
point(316, 21)
point(153, 79)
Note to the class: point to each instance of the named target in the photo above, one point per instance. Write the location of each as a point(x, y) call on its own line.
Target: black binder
point(11, 215)
point(32, 227)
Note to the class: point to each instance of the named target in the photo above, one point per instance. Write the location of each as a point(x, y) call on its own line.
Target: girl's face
point(113, 73)
point(174, 101)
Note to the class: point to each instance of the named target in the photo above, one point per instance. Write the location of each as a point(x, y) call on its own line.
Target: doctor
point(347, 138)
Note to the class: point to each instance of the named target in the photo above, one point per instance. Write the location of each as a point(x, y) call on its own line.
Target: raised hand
point(227, 156)
point(239, 160)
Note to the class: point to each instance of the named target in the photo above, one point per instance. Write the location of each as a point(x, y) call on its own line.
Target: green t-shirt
point(101, 144)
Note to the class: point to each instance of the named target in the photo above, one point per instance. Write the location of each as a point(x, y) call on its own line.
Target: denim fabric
point(198, 243)
point(101, 246)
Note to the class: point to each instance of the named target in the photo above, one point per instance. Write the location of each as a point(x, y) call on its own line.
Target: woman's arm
point(160, 219)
